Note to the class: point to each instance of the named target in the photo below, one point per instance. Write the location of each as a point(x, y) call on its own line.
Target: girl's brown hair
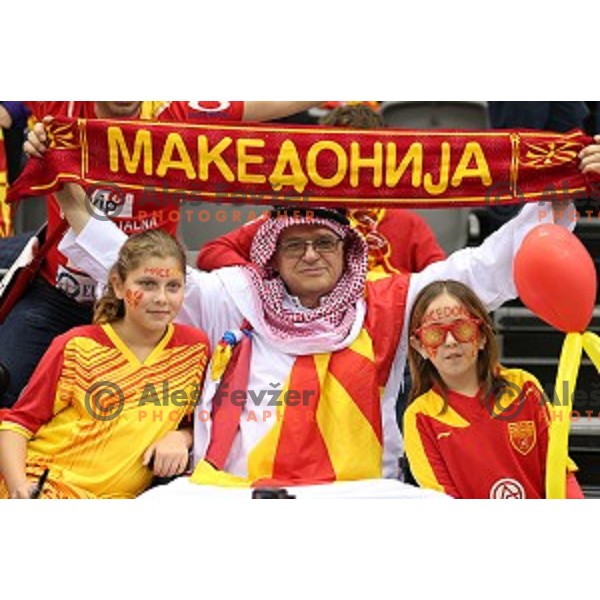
point(138, 248)
point(424, 374)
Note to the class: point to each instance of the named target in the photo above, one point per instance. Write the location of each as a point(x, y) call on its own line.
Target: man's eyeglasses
point(297, 248)
point(434, 335)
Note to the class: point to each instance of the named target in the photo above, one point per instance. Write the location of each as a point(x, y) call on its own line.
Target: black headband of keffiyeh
point(339, 215)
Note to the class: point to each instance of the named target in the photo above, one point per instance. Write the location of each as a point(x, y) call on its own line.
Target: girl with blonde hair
point(110, 400)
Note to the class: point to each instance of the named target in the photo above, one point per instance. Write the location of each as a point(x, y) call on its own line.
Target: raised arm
point(105, 239)
point(92, 245)
point(72, 202)
point(488, 269)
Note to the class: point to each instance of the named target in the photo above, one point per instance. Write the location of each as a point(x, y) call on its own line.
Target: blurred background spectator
point(549, 116)
point(13, 120)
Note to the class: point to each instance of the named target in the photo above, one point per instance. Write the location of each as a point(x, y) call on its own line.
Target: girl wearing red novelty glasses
point(473, 429)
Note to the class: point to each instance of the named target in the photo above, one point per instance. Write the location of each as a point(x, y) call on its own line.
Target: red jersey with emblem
point(481, 449)
point(132, 211)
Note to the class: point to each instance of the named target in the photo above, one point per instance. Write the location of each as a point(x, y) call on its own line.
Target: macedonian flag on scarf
point(268, 164)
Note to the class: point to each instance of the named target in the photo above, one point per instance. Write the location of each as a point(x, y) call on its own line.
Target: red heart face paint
point(133, 297)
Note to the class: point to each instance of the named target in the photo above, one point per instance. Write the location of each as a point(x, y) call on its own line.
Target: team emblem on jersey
point(507, 489)
point(522, 436)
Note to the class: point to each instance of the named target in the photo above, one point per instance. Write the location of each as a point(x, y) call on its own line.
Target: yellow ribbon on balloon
point(560, 418)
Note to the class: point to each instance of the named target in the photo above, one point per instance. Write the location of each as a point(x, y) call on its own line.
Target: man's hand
point(37, 139)
point(590, 157)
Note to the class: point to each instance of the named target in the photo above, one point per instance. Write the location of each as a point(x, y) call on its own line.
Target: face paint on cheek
point(431, 350)
point(133, 297)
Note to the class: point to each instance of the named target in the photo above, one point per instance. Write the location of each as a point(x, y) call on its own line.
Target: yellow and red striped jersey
point(91, 409)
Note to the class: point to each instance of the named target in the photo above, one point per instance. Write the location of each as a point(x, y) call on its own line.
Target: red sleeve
point(574, 491)
point(424, 248)
point(412, 241)
point(203, 110)
point(35, 405)
point(37, 108)
point(42, 108)
point(230, 250)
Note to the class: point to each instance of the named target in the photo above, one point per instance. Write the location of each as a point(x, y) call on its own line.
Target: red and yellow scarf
point(329, 166)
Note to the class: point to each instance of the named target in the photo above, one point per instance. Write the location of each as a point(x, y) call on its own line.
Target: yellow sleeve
point(414, 448)
point(16, 428)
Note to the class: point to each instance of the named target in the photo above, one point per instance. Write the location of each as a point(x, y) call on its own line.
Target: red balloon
point(556, 278)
